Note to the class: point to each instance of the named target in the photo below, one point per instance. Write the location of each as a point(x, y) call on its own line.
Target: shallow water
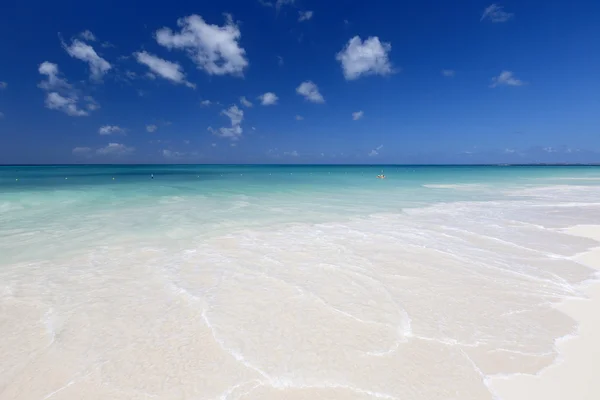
point(239, 282)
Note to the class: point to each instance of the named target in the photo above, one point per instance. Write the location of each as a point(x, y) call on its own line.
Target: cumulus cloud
point(215, 49)
point(245, 102)
point(310, 91)
point(293, 153)
point(268, 99)
point(496, 13)
point(360, 58)
point(3, 85)
point(357, 115)
point(115, 149)
point(506, 78)
point(110, 130)
point(151, 128)
point(233, 132)
point(81, 151)
point(304, 15)
point(375, 151)
point(88, 35)
point(448, 72)
point(205, 103)
point(168, 70)
point(86, 53)
point(91, 105)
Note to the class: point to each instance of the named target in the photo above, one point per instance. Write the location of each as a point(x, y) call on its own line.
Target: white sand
point(576, 374)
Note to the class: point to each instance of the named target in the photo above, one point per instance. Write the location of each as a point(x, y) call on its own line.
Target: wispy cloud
point(168, 70)
point(370, 57)
point(304, 15)
point(357, 115)
point(110, 130)
point(496, 13)
point(88, 35)
point(3, 85)
point(299, 117)
point(448, 73)
point(151, 128)
point(375, 151)
point(245, 102)
point(506, 78)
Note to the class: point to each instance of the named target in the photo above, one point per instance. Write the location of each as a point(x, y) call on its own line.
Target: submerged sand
point(426, 303)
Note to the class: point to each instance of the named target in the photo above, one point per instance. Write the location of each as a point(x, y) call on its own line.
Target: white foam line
point(228, 392)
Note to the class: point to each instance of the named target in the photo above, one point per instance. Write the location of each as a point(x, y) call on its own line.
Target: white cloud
point(215, 49)
point(293, 153)
point(213, 144)
point(60, 94)
point(88, 35)
point(299, 117)
point(365, 58)
point(245, 102)
point(280, 61)
point(68, 105)
point(268, 99)
point(375, 151)
point(115, 149)
point(310, 91)
point(506, 78)
point(205, 103)
point(110, 130)
point(168, 70)
point(234, 132)
point(448, 72)
point(81, 151)
point(3, 85)
point(86, 53)
point(172, 154)
point(53, 81)
point(91, 105)
point(265, 3)
point(151, 128)
point(281, 3)
point(496, 13)
point(357, 115)
point(305, 15)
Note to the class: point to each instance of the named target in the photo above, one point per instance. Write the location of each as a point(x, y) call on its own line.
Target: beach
point(575, 373)
point(299, 282)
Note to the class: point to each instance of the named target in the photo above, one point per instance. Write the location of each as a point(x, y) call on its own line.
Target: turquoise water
point(307, 281)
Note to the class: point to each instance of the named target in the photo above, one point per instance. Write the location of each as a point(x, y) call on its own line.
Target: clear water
point(244, 282)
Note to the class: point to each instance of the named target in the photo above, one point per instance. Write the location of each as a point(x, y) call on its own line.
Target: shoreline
point(572, 374)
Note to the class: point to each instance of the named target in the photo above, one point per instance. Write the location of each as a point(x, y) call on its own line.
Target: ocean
point(285, 282)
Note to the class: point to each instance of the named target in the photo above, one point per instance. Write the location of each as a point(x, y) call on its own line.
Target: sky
point(299, 81)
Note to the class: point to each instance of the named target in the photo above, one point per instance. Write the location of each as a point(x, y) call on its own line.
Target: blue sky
point(329, 82)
